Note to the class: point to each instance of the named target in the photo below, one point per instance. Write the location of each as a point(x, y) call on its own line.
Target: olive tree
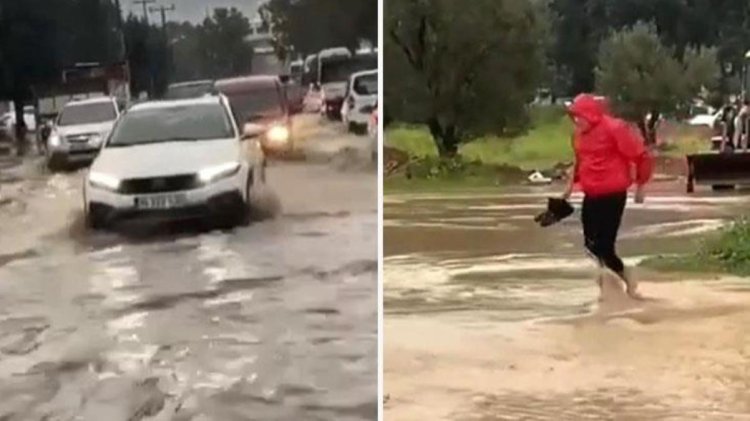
point(463, 68)
point(641, 76)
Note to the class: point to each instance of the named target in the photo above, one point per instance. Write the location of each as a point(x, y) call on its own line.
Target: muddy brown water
point(275, 321)
point(489, 317)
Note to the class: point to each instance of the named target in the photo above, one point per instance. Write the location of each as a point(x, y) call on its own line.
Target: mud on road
point(488, 317)
point(275, 321)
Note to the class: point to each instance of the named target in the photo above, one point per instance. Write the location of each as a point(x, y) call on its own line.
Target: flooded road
point(275, 321)
point(489, 317)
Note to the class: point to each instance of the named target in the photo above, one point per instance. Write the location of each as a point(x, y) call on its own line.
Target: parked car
point(210, 171)
point(705, 118)
point(361, 97)
point(79, 131)
point(261, 100)
point(186, 90)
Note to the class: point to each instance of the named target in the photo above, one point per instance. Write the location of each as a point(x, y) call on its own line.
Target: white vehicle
point(707, 118)
point(361, 97)
point(176, 159)
point(79, 131)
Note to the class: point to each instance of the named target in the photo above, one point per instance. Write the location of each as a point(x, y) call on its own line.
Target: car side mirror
point(251, 130)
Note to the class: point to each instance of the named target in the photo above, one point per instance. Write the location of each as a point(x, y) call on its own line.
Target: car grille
point(79, 138)
point(159, 184)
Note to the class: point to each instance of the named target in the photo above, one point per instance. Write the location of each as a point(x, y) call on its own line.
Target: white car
point(79, 131)
point(707, 119)
point(361, 97)
point(175, 159)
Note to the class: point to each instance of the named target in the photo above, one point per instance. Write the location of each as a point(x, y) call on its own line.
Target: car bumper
point(356, 117)
point(215, 198)
point(65, 153)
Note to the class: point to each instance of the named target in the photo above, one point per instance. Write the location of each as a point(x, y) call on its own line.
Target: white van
point(360, 100)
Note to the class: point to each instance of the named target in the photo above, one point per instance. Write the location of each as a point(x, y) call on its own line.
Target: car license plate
point(165, 201)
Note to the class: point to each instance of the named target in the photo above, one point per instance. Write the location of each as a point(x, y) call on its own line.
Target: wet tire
point(95, 220)
point(358, 129)
point(56, 163)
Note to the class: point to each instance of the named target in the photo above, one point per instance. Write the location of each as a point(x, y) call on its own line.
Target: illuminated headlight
point(211, 174)
point(278, 134)
point(104, 181)
point(55, 140)
point(95, 139)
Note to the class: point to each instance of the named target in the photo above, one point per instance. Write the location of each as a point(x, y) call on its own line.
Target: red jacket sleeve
point(631, 146)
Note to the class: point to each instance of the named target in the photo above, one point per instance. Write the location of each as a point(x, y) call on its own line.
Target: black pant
point(601, 216)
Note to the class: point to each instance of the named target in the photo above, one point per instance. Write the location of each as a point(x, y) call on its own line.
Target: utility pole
point(145, 4)
point(163, 10)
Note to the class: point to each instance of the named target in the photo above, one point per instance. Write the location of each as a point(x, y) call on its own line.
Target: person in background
point(727, 120)
point(606, 150)
point(741, 126)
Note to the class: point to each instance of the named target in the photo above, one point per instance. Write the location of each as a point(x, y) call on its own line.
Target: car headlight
point(104, 181)
point(211, 174)
point(95, 139)
point(278, 134)
point(55, 140)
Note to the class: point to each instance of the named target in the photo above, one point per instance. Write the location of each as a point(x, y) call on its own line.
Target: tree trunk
point(642, 127)
point(651, 127)
point(445, 138)
point(20, 129)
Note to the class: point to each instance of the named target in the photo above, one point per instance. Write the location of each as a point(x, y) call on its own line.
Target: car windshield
point(258, 103)
point(188, 91)
point(87, 114)
point(177, 123)
point(366, 85)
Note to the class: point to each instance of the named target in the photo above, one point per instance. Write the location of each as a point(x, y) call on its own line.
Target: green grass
point(451, 185)
point(544, 145)
point(727, 252)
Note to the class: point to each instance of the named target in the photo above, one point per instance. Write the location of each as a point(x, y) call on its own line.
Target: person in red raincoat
point(607, 150)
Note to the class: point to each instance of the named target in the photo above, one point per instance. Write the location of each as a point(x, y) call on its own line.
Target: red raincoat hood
point(589, 108)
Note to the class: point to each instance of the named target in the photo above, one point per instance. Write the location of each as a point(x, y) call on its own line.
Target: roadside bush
point(729, 251)
point(731, 248)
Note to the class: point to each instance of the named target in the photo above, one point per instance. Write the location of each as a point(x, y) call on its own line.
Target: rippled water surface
point(276, 321)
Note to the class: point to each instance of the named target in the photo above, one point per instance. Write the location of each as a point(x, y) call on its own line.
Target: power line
point(145, 4)
point(163, 10)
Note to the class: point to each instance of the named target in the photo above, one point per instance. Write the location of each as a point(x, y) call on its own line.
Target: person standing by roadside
point(741, 126)
point(606, 150)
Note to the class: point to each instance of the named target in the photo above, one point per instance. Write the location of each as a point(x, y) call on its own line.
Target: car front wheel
point(95, 218)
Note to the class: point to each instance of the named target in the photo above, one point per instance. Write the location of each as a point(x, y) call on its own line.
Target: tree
point(222, 47)
point(308, 26)
point(475, 68)
point(642, 76)
point(581, 26)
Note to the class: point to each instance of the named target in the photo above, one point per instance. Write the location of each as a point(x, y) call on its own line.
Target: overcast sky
point(192, 10)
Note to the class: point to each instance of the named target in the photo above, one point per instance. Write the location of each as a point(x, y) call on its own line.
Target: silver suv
point(80, 130)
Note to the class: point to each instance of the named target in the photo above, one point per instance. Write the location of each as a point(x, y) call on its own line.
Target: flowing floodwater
point(276, 321)
point(489, 317)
